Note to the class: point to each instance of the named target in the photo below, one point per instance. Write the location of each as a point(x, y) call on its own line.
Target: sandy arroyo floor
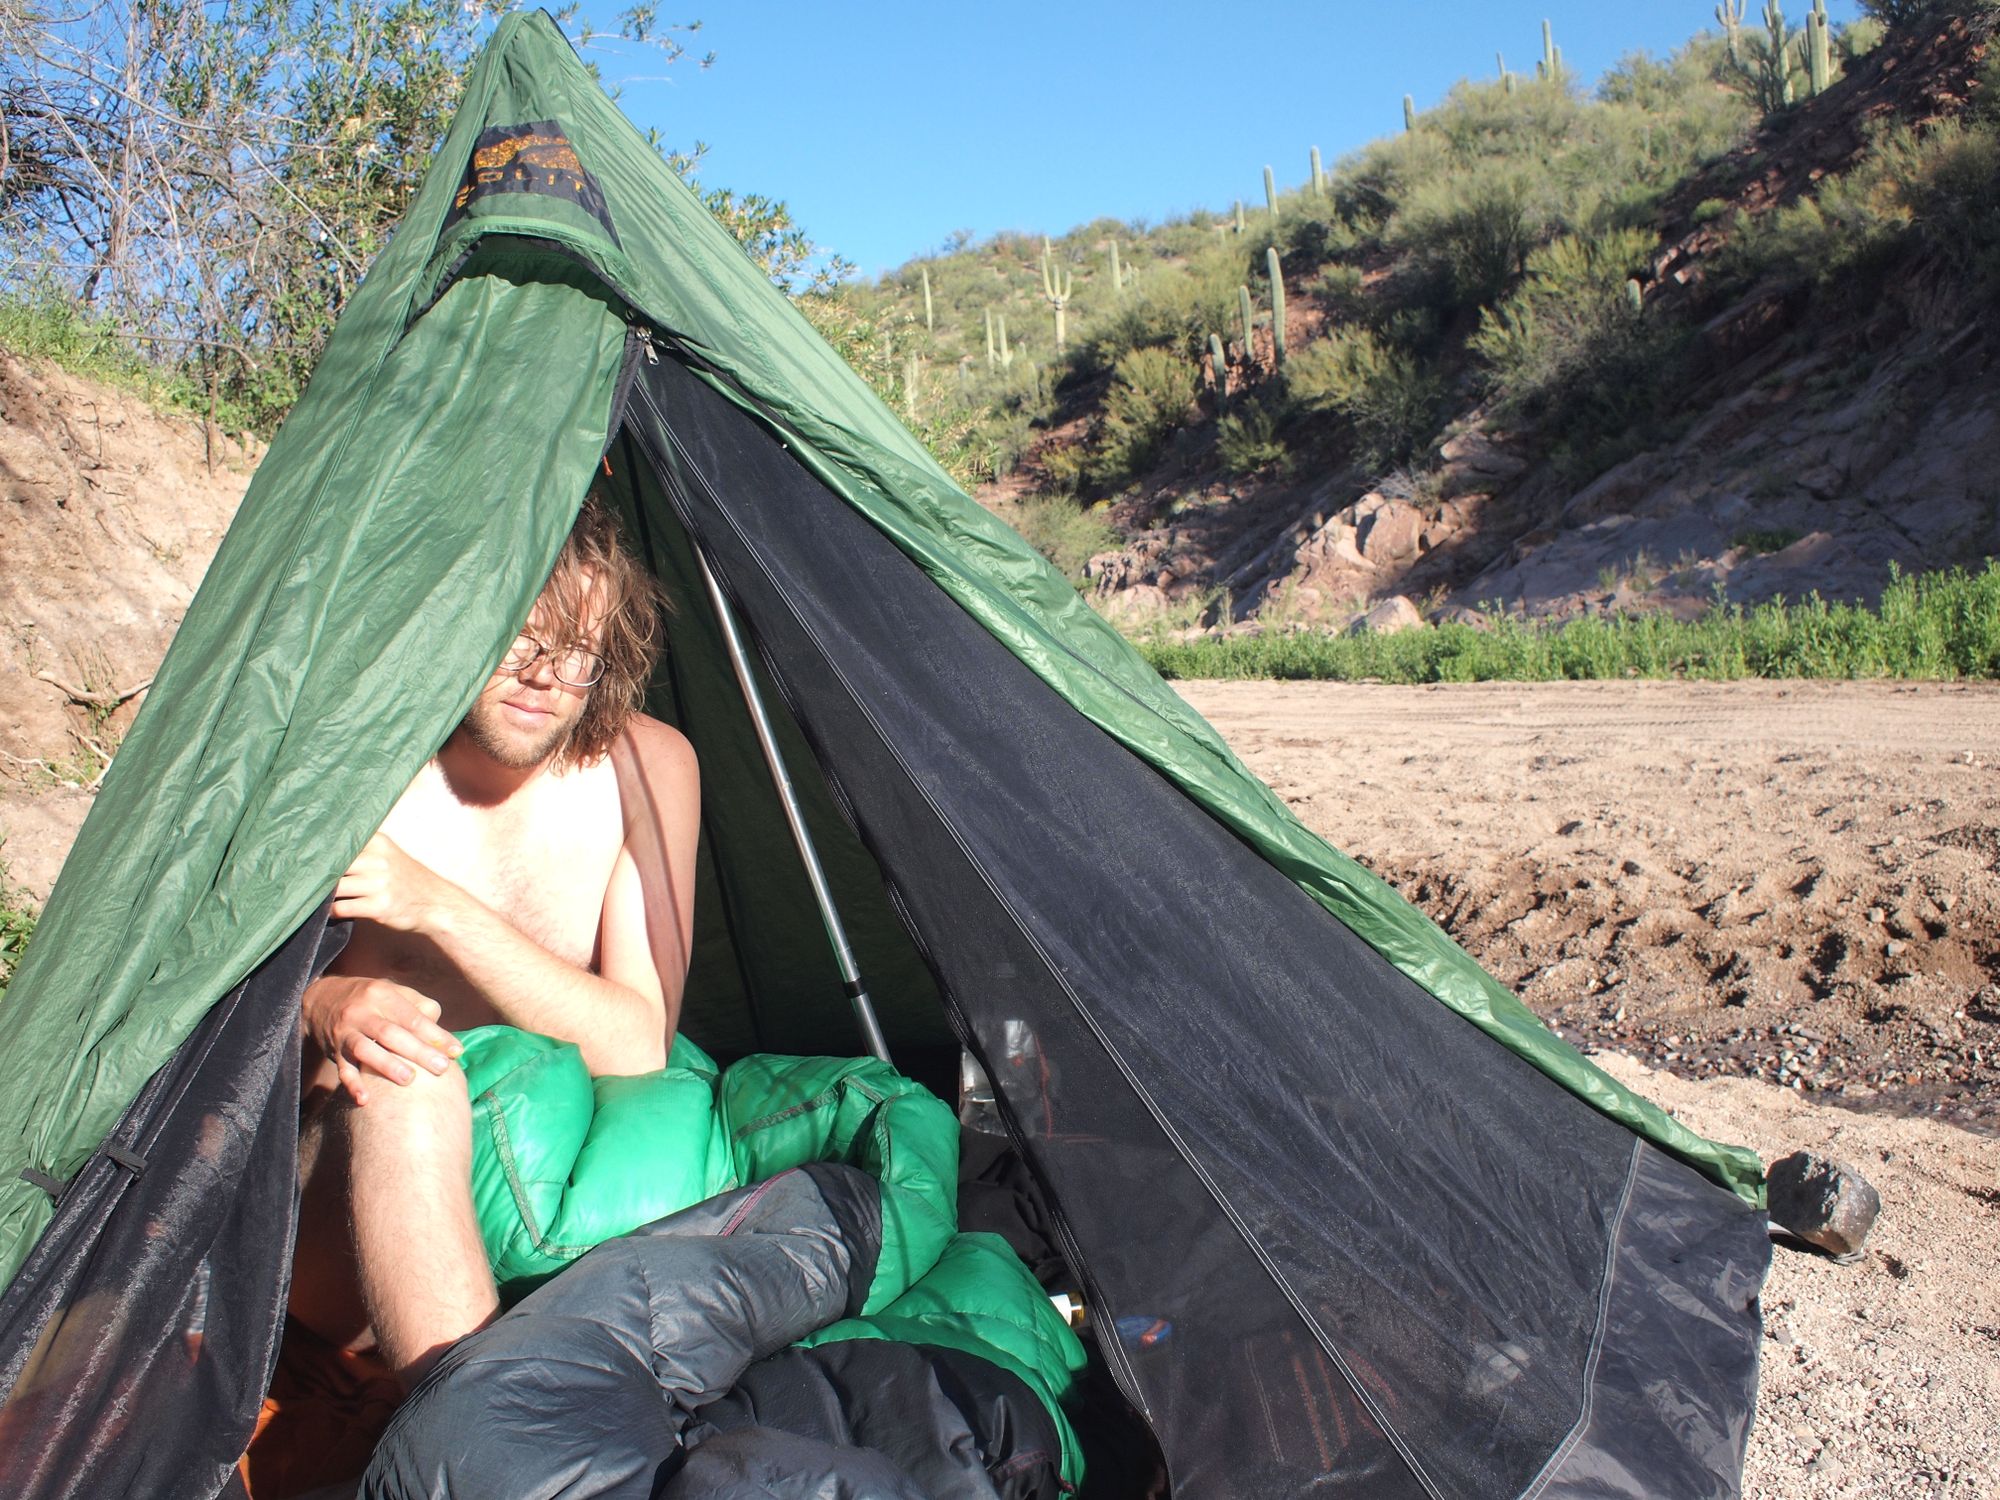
point(1774, 908)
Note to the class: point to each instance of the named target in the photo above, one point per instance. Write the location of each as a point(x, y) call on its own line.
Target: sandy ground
point(1782, 899)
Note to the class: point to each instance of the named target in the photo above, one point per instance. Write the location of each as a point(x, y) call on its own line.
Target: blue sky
point(888, 124)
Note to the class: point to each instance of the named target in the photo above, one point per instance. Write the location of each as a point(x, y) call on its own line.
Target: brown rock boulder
point(1390, 533)
point(1386, 618)
point(1822, 1201)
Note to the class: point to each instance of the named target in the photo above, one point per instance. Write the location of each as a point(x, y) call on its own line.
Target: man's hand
point(386, 885)
point(376, 1027)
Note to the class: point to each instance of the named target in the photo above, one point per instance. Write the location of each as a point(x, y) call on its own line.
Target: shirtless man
point(539, 871)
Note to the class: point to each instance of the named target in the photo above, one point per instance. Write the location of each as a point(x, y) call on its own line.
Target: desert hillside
point(1555, 350)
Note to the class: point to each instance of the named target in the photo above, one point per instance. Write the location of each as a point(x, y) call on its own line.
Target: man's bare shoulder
point(656, 769)
point(660, 748)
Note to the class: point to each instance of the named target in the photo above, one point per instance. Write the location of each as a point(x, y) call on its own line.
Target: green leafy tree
point(211, 178)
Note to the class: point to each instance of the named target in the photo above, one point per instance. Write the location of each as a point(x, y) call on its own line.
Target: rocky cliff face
point(1818, 469)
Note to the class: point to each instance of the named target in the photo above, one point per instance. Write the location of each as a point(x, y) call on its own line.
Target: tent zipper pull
point(645, 337)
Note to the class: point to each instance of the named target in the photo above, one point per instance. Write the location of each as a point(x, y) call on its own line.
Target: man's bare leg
point(326, 1295)
point(424, 1275)
point(388, 1195)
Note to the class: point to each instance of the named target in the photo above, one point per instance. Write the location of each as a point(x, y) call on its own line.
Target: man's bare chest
point(543, 865)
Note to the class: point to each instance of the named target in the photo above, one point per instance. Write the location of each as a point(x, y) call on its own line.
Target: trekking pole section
point(836, 934)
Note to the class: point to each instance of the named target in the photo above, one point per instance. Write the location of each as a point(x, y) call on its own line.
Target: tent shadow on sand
point(1406, 1241)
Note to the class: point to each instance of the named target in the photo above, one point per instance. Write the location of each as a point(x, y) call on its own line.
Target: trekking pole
point(836, 934)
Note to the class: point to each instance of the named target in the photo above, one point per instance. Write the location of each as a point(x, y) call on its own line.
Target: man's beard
point(486, 730)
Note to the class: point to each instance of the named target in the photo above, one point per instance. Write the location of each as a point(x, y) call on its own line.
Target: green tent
point(1233, 1057)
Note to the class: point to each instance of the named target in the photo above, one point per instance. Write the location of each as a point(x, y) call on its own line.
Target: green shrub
point(1950, 180)
point(17, 925)
point(1065, 467)
point(1903, 12)
point(1470, 232)
point(1339, 289)
point(1389, 401)
point(1175, 305)
point(1709, 210)
point(1152, 392)
point(1933, 190)
point(1857, 38)
point(1247, 439)
point(1939, 626)
point(1567, 348)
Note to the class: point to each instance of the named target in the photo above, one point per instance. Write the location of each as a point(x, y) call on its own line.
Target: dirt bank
point(109, 513)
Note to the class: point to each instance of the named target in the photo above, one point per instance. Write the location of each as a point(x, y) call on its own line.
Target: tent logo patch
point(536, 157)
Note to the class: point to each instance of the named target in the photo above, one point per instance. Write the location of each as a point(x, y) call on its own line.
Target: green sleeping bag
point(782, 1112)
point(562, 1161)
point(979, 1298)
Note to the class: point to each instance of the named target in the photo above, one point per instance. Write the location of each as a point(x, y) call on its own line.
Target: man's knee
point(431, 1112)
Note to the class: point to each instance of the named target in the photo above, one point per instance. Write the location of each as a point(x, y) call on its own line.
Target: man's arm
point(621, 1018)
point(618, 1022)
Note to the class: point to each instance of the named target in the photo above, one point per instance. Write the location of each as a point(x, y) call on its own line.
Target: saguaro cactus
point(1249, 319)
point(1764, 63)
point(1775, 80)
point(1277, 274)
point(1550, 68)
point(1006, 354)
point(1218, 363)
point(1819, 48)
point(1270, 193)
point(1729, 15)
point(1057, 281)
point(1409, 113)
point(930, 324)
point(1239, 215)
point(992, 354)
point(1318, 175)
point(1117, 271)
point(912, 371)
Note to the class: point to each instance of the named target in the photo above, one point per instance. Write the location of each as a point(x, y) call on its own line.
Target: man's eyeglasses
point(575, 667)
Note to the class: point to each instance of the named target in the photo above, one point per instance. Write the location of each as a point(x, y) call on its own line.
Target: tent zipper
point(639, 348)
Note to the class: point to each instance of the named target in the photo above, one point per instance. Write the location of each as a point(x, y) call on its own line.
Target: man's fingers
point(377, 1059)
point(405, 1043)
point(431, 1009)
point(350, 1079)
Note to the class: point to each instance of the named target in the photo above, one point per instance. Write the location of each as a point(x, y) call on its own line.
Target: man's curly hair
point(601, 597)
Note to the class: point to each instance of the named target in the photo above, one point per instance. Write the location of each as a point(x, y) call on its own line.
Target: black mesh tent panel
point(137, 1340)
point(763, 976)
point(1331, 1209)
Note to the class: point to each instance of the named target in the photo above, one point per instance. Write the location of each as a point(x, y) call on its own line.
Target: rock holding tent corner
point(1824, 1202)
